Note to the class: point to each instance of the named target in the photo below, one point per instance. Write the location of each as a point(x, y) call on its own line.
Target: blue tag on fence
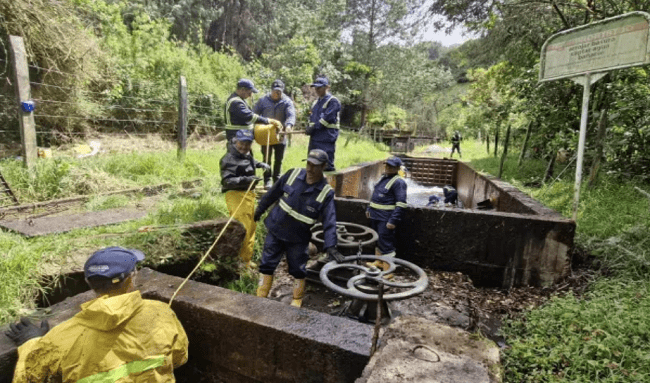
point(28, 106)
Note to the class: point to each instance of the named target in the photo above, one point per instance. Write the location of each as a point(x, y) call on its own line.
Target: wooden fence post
point(182, 118)
point(23, 93)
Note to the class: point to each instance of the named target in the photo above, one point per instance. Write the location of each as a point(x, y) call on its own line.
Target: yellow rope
point(213, 244)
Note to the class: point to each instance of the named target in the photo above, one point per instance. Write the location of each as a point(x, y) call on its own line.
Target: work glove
point(333, 254)
point(264, 166)
point(276, 123)
point(257, 215)
point(25, 330)
point(252, 179)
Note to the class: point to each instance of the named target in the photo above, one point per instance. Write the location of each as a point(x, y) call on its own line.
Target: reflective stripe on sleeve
point(381, 207)
point(323, 193)
point(328, 125)
point(285, 206)
point(124, 370)
point(402, 204)
point(239, 127)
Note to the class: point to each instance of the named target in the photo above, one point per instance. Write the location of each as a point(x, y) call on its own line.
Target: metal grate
point(429, 172)
point(7, 196)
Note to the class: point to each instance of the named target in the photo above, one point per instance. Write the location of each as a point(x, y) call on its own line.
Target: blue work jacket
point(239, 116)
point(388, 199)
point(324, 117)
point(299, 207)
point(281, 110)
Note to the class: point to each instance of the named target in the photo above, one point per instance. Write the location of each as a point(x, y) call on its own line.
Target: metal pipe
point(581, 143)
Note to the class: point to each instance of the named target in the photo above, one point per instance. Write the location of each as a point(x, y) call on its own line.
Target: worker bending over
point(386, 207)
point(237, 113)
point(303, 195)
point(279, 106)
point(237, 174)
point(323, 127)
point(118, 336)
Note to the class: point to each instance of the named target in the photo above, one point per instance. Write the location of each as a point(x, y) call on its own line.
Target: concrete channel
point(240, 338)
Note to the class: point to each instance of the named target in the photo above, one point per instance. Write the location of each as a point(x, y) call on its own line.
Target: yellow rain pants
point(245, 217)
point(113, 339)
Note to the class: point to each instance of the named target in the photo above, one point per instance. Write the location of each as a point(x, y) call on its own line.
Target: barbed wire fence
point(65, 113)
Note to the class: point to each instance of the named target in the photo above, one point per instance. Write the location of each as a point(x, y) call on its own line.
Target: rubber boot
point(298, 292)
point(264, 285)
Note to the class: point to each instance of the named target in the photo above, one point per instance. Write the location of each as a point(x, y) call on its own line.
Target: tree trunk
point(487, 140)
point(549, 169)
point(600, 147)
point(525, 145)
point(496, 139)
point(505, 151)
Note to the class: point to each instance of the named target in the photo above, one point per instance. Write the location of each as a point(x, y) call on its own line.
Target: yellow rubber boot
point(298, 292)
point(264, 286)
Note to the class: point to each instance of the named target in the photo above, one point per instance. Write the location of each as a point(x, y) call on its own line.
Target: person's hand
point(25, 330)
point(288, 128)
point(276, 123)
point(257, 215)
point(367, 214)
point(390, 226)
point(252, 180)
point(334, 254)
point(265, 166)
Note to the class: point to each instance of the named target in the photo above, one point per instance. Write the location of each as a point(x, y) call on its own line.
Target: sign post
point(586, 53)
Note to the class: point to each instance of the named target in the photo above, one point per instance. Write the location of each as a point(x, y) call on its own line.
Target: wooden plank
point(18, 59)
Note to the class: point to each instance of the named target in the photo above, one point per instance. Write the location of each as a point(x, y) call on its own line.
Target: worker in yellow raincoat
point(237, 174)
point(116, 337)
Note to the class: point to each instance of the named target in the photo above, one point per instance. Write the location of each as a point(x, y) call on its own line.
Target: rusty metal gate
point(432, 172)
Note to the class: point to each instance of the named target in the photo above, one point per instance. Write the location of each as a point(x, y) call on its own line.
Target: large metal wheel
point(349, 235)
point(358, 285)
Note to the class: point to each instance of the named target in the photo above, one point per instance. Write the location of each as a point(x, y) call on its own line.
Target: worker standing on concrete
point(455, 144)
point(302, 196)
point(117, 336)
point(278, 106)
point(386, 208)
point(323, 127)
point(237, 174)
point(237, 113)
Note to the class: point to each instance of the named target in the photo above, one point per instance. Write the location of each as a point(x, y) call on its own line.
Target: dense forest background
point(114, 65)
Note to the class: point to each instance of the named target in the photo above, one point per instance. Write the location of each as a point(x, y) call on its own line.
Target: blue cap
point(246, 83)
point(113, 263)
point(277, 84)
point(317, 157)
point(394, 161)
point(321, 81)
point(244, 135)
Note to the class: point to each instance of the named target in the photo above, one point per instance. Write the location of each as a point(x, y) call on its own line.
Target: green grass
point(23, 261)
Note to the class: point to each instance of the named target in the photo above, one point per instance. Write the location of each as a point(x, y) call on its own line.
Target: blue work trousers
point(327, 147)
point(386, 241)
point(297, 256)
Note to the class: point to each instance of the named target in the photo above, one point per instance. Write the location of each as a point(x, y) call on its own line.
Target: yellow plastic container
point(266, 134)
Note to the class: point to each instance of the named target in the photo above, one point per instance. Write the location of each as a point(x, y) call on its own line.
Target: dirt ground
point(450, 298)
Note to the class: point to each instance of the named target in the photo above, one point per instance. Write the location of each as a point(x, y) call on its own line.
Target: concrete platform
point(416, 350)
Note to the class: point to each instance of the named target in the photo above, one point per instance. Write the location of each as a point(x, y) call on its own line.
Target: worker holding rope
point(302, 196)
point(276, 105)
point(117, 336)
point(237, 174)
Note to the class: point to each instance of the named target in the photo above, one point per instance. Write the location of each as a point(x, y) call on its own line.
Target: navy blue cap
point(277, 84)
point(113, 263)
point(321, 81)
point(394, 161)
point(317, 157)
point(244, 135)
point(248, 84)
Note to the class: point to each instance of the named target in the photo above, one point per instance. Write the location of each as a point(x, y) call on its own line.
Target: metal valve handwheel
point(349, 235)
point(357, 286)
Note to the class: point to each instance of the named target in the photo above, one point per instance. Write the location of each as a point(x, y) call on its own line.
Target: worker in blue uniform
point(279, 106)
point(302, 196)
point(324, 122)
point(239, 115)
point(387, 207)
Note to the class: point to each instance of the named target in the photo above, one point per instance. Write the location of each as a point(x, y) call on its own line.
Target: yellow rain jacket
point(113, 339)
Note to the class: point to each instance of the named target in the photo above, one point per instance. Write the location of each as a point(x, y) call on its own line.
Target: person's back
point(116, 337)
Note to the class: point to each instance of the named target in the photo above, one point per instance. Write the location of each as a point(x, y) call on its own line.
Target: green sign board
point(615, 43)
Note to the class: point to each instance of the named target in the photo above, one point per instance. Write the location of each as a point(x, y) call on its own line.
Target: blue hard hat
point(248, 84)
point(317, 157)
point(244, 135)
point(394, 161)
point(321, 81)
point(112, 262)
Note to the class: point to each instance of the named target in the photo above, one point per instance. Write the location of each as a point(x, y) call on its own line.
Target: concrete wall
point(357, 181)
point(241, 338)
point(493, 248)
